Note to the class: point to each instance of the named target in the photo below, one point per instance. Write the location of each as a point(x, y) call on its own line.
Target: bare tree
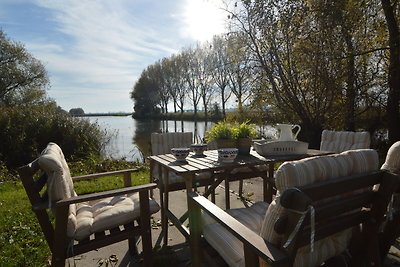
point(239, 69)
point(219, 69)
point(191, 70)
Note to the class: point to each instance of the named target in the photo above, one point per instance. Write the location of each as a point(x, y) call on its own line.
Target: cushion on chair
point(230, 249)
point(84, 218)
point(107, 213)
point(59, 182)
point(161, 143)
point(312, 170)
point(392, 162)
point(262, 220)
point(339, 141)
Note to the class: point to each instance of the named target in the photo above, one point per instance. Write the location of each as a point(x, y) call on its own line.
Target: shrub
point(27, 130)
point(244, 130)
point(220, 130)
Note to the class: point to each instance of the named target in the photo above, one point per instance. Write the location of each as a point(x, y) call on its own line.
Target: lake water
point(131, 138)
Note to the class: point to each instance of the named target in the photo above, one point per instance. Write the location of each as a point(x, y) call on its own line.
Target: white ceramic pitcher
point(286, 132)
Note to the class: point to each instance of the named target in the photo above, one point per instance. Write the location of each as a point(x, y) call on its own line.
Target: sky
point(95, 50)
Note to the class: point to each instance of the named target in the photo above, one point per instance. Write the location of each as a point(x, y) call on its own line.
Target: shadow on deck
point(177, 253)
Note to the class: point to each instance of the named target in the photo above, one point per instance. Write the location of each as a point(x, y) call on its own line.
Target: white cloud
point(107, 46)
point(95, 50)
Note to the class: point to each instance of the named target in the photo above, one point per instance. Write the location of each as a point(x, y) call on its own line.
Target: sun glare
point(204, 19)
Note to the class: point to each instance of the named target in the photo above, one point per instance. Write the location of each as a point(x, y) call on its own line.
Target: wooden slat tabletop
point(209, 161)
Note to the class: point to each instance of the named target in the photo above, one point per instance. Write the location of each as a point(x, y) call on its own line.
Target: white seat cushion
point(84, 218)
point(108, 213)
point(229, 247)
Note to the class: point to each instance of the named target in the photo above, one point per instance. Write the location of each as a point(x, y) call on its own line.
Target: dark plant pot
point(244, 145)
point(226, 143)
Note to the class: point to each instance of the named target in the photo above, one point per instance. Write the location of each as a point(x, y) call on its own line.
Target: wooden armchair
point(324, 206)
point(86, 222)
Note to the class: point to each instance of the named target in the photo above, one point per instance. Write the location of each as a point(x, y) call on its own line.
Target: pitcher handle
point(297, 132)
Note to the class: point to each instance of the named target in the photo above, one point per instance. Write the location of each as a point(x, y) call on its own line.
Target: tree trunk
point(223, 102)
point(351, 94)
point(205, 107)
point(392, 110)
point(310, 133)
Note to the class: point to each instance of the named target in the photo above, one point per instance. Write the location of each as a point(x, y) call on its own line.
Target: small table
point(220, 171)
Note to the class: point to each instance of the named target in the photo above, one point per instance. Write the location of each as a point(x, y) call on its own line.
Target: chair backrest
point(52, 170)
point(311, 171)
point(161, 143)
point(339, 141)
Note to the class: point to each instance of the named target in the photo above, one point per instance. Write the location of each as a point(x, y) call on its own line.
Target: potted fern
point(222, 133)
point(244, 133)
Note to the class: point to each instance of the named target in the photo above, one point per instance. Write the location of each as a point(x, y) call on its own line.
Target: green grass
point(22, 242)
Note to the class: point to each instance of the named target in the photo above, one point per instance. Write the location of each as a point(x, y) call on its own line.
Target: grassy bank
point(22, 242)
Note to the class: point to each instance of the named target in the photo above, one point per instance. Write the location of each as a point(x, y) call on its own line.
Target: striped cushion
point(161, 143)
point(392, 162)
point(339, 141)
point(228, 246)
point(108, 213)
point(308, 171)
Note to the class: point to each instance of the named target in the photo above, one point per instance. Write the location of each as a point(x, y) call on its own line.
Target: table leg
point(165, 196)
point(268, 184)
point(227, 194)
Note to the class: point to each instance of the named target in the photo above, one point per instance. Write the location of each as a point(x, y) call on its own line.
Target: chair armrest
point(269, 252)
point(105, 194)
point(103, 174)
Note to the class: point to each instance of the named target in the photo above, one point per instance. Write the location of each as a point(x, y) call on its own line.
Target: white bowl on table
point(227, 155)
point(198, 149)
point(180, 153)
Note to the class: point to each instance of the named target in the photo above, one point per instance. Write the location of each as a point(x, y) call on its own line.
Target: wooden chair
point(325, 203)
point(86, 222)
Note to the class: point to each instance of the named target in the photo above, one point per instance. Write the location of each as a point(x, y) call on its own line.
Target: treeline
point(322, 64)
point(29, 119)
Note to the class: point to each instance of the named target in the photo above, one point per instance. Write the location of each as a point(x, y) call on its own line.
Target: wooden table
point(221, 171)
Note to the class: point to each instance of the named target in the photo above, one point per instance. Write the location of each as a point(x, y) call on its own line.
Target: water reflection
point(141, 136)
point(132, 138)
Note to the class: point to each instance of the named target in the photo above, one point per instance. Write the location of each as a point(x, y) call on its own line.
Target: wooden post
point(195, 230)
point(145, 227)
point(127, 179)
point(250, 257)
point(60, 242)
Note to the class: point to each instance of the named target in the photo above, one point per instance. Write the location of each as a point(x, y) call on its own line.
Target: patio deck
point(177, 254)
